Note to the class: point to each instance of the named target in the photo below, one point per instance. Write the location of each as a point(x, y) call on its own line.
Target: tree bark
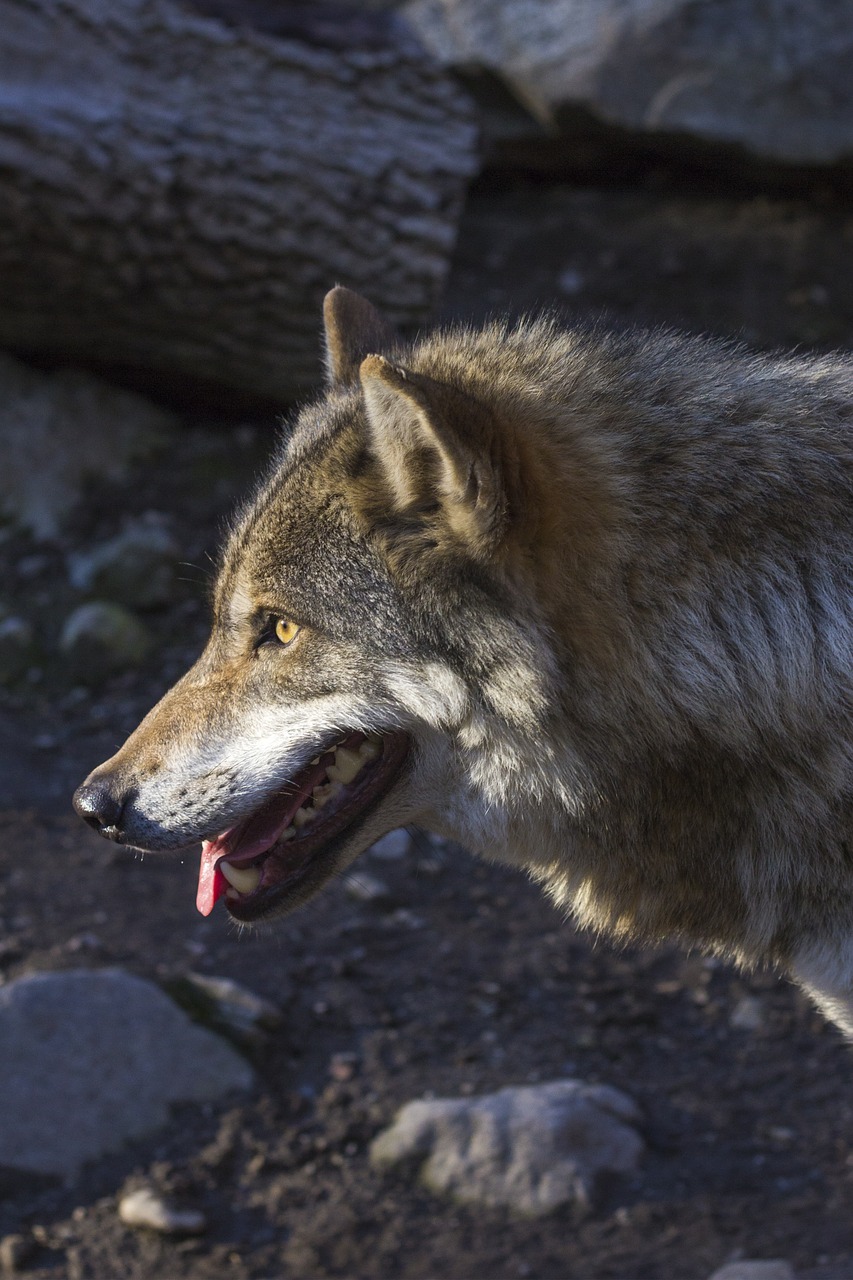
point(177, 192)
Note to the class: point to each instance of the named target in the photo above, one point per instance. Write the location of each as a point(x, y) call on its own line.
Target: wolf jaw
point(282, 850)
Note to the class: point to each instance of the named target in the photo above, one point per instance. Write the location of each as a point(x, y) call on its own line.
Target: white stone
point(748, 1014)
point(364, 887)
point(531, 1148)
point(145, 1208)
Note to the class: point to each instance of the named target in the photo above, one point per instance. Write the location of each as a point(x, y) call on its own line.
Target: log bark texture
point(177, 192)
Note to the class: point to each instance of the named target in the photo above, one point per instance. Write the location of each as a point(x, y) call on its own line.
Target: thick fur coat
point(603, 586)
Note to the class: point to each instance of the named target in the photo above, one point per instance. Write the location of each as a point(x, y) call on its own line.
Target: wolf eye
point(286, 630)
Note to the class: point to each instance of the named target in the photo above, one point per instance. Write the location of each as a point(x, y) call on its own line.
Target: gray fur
point(605, 582)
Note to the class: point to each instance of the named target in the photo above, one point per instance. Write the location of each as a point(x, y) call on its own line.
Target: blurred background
point(180, 183)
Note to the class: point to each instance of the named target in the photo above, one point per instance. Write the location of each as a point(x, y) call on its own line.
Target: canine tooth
point(288, 834)
point(303, 816)
point(244, 879)
point(369, 750)
point(348, 764)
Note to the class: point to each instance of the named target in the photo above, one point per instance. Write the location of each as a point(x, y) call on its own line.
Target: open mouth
point(278, 851)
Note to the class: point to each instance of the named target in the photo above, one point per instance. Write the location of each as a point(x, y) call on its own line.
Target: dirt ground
point(461, 978)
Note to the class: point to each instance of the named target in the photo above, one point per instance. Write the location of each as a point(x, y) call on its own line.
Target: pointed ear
point(353, 328)
point(428, 440)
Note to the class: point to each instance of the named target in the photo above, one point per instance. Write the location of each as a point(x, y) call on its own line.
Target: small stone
point(533, 1149)
point(16, 647)
point(15, 1251)
point(136, 567)
point(146, 1208)
point(226, 1006)
point(101, 637)
point(431, 867)
point(392, 847)
point(364, 887)
point(772, 1269)
point(343, 1066)
point(748, 1014)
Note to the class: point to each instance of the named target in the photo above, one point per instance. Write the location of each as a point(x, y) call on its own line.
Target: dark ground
point(465, 979)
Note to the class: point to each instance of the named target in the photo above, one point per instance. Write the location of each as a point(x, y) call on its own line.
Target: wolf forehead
point(303, 545)
point(297, 551)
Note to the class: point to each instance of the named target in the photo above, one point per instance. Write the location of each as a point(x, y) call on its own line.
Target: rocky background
point(426, 1072)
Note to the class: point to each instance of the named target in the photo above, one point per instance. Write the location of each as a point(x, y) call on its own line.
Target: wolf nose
point(100, 807)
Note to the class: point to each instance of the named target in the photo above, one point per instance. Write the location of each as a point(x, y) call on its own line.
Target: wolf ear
point(353, 327)
point(418, 435)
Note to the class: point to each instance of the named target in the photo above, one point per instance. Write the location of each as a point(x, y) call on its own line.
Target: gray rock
point(58, 429)
point(772, 1269)
point(101, 637)
point(17, 652)
point(531, 1148)
point(361, 886)
point(392, 847)
point(734, 72)
point(15, 1252)
point(145, 1207)
point(226, 1006)
point(90, 1059)
point(136, 567)
point(749, 1014)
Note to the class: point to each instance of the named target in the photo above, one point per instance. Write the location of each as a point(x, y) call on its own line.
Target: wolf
point(580, 600)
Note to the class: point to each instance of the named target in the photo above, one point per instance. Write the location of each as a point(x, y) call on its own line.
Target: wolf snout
point(100, 802)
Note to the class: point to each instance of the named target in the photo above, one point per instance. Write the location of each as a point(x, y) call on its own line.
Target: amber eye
point(286, 631)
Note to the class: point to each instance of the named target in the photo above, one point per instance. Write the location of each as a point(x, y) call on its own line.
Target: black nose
point(97, 804)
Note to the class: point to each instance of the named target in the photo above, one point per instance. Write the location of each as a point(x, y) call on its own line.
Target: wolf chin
point(580, 601)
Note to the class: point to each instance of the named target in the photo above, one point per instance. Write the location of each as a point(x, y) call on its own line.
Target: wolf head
point(376, 657)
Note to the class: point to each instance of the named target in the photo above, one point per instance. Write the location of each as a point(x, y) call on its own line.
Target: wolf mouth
point(273, 854)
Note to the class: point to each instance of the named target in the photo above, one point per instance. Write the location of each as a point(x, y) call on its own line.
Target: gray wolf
point(581, 601)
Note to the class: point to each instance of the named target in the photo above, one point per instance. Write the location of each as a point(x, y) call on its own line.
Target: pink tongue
point(211, 881)
point(244, 842)
point(257, 833)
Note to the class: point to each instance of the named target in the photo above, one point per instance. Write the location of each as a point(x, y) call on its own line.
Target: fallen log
point(178, 191)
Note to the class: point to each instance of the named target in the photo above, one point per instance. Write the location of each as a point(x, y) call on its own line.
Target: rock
point(748, 1014)
point(226, 1006)
point(363, 887)
point(15, 1252)
point(90, 1059)
point(392, 847)
point(136, 567)
point(59, 429)
point(774, 1269)
point(16, 648)
point(145, 1208)
point(531, 1148)
point(100, 637)
point(729, 73)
